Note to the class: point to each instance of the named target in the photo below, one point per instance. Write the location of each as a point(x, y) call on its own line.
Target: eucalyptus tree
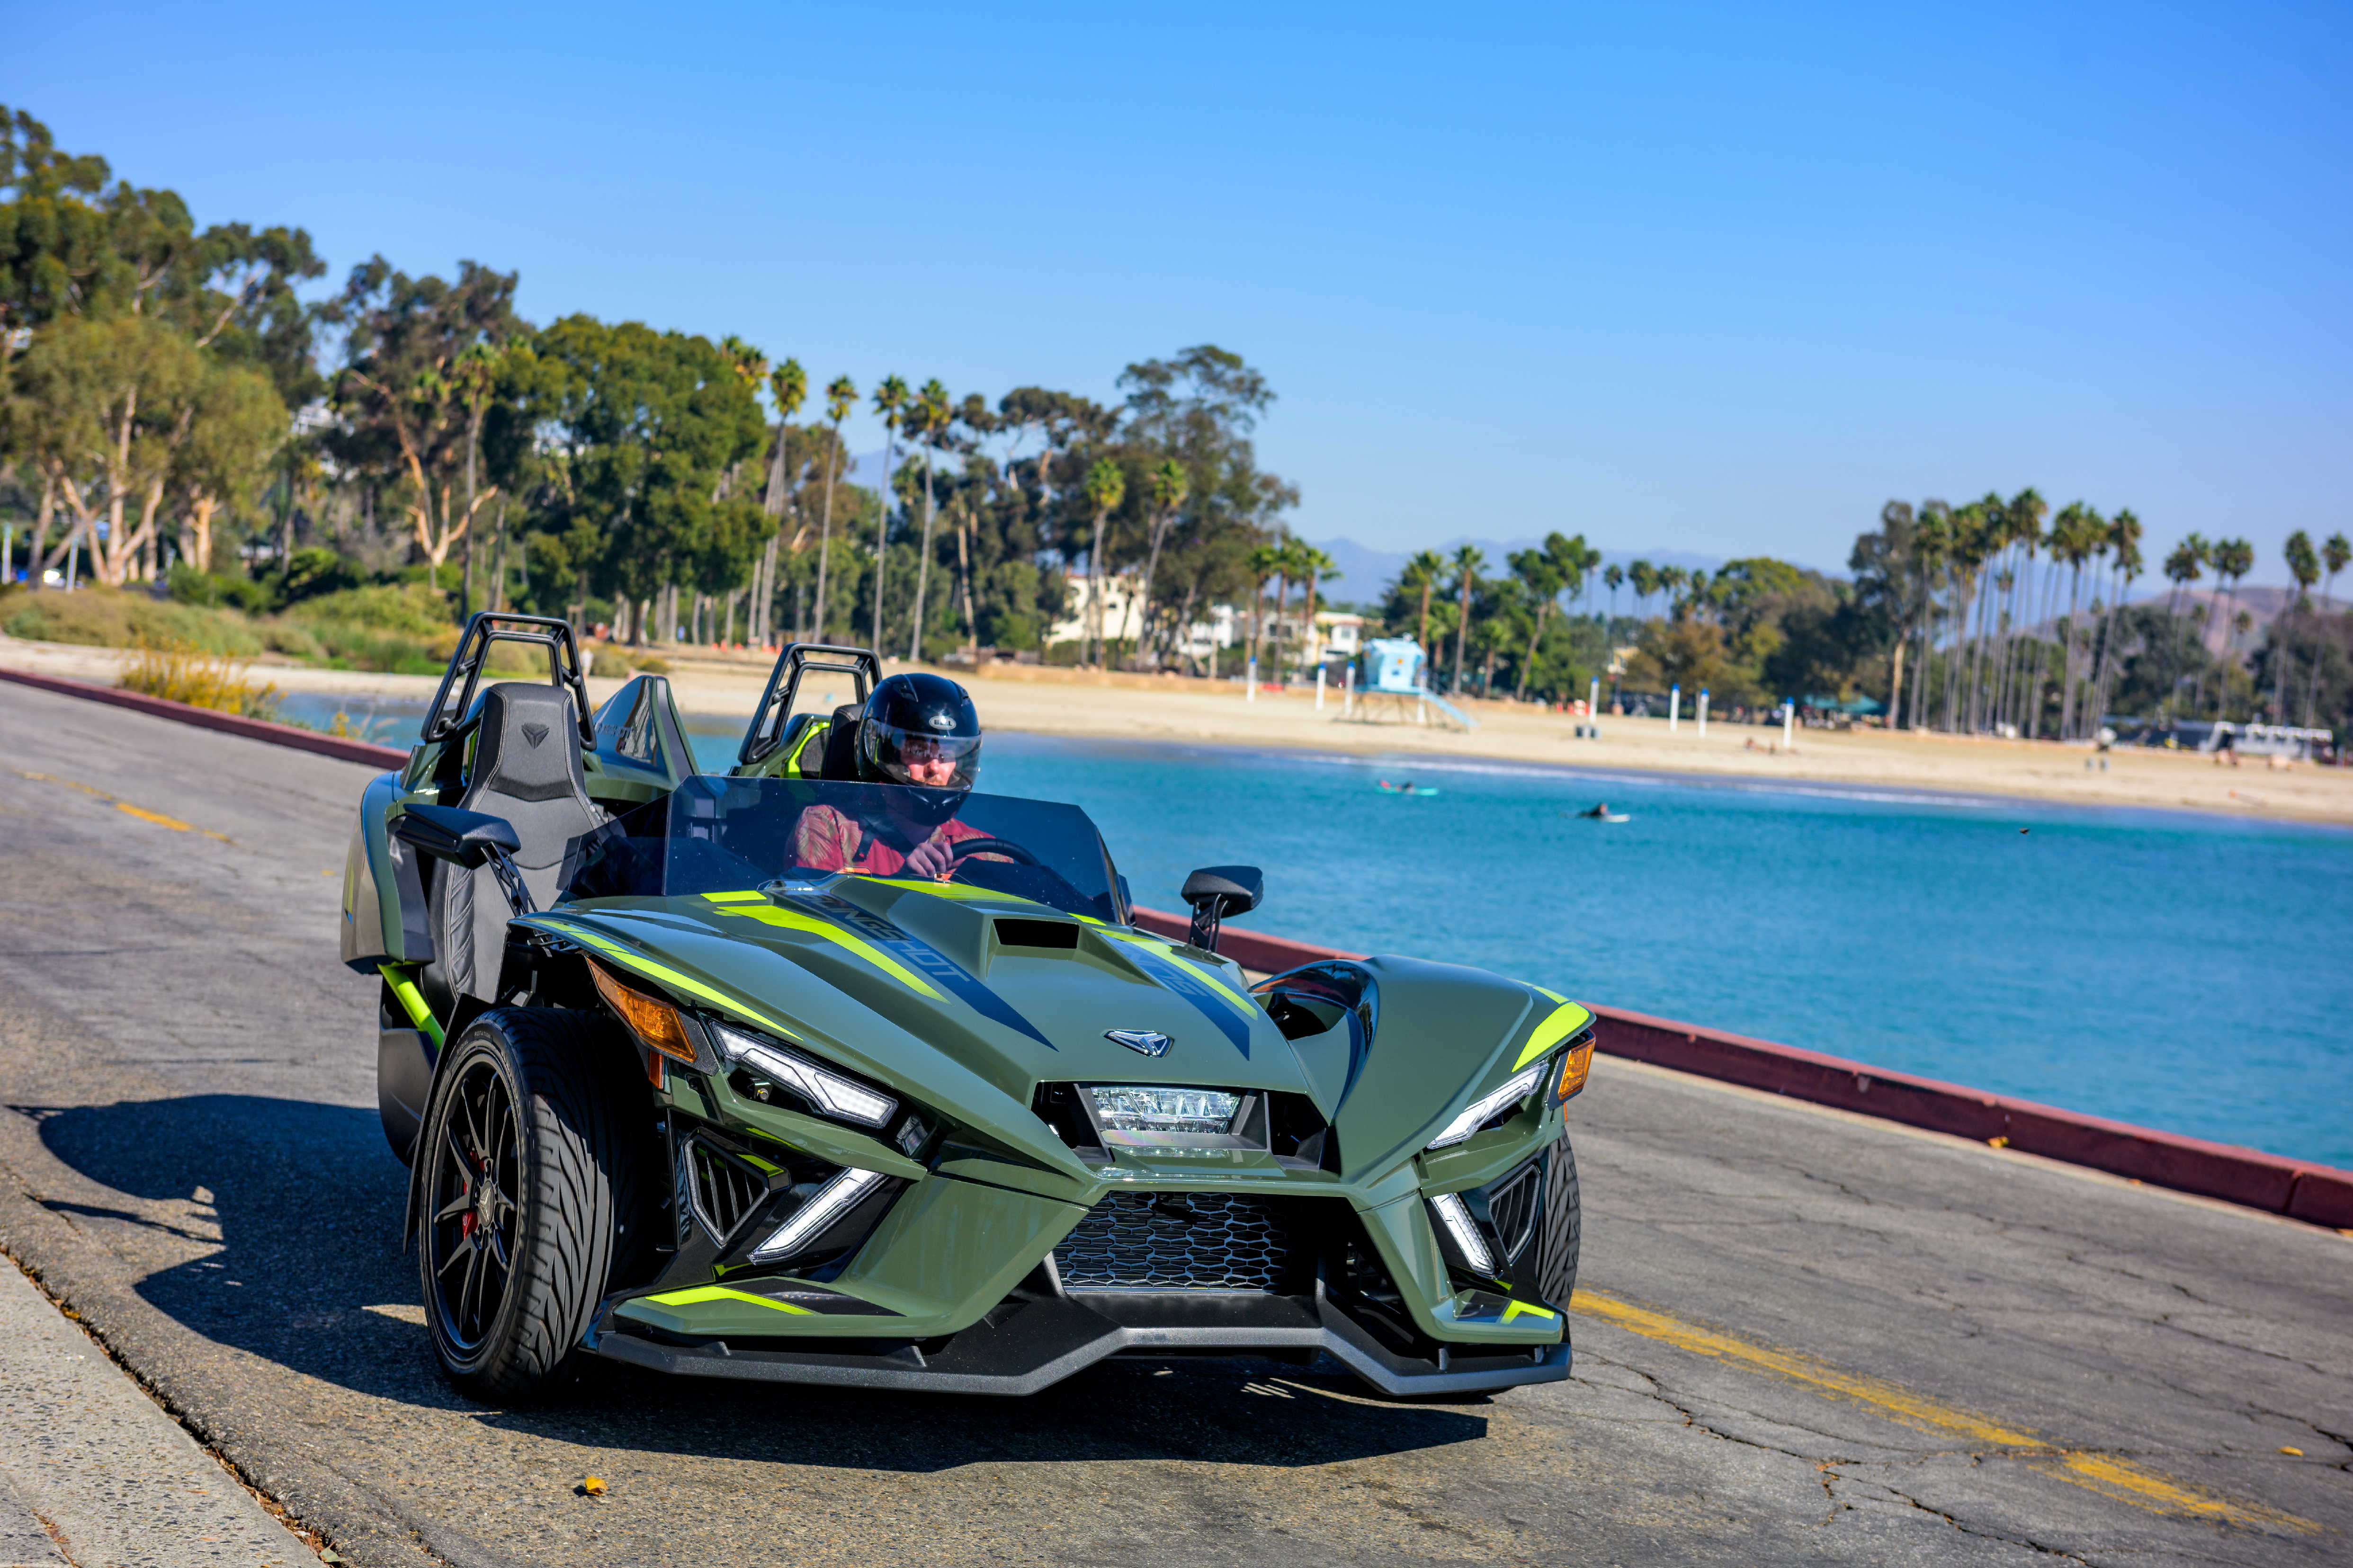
point(2304, 566)
point(928, 419)
point(1467, 561)
point(404, 410)
point(1170, 485)
point(841, 397)
point(2233, 559)
point(891, 402)
point(1105, 488)
point(1540, 574)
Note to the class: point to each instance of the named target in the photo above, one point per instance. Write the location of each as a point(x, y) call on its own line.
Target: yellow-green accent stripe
point(1521, 1309)
point(701, 1293)
point(1209, 977)
point(661, 972)
point(1566, 1020)
point(412, 1000)
point(750, 896)
point(794, 920)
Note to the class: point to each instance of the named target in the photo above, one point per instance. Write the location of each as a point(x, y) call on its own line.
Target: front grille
point(1174, 1241)
point(1512, 1204)
point(724, 1190)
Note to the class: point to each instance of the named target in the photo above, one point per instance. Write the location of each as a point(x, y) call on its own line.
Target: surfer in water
point(1600, 813)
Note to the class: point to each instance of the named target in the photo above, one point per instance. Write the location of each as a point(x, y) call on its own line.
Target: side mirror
point(466, 838)
point(1217, 893)
point(462, 838)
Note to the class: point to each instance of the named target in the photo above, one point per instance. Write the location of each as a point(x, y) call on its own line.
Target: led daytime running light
point(829, 1092)
point(1455, 1215)
point(653, 1021)
point(828, 1203)
point(1487, 1105)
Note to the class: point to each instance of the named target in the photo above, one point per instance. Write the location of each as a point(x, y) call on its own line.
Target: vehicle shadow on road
point(308, 1274)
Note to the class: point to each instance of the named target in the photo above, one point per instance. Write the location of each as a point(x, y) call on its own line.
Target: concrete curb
point(2299, 1189)
point(301, 740)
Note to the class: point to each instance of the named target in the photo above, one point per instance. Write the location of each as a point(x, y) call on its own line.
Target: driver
point(918, 731)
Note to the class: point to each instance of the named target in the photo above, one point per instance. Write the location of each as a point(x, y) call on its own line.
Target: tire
point(1559, 1234)
point(533, 1187)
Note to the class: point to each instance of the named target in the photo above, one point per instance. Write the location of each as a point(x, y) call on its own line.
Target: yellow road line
point(142, 813)
point(2106, 1474)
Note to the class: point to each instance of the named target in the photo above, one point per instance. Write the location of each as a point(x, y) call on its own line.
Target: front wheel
point(1558, 1233)
point(529, 1183)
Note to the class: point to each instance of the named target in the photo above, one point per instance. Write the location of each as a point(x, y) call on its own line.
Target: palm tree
point(2072, 534)
point(1263, 561)
point(2183, 566)
point(1614, 575)
point(2304, 566)
point(1106, 488)
point(927, 419)
point(1645, 578)
point(1542, 578)
point(1423, 572)
point(1932, 535)
point(2233, 559)
point(1467, 561)
point(1170, 483)
point(1312, 567)
point(788, 385)
point(2337, 554)
point(890, 401)
point(840, 395)
point(2124, 538)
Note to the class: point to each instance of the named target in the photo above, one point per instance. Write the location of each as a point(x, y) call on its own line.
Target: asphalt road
point(1802, 1337)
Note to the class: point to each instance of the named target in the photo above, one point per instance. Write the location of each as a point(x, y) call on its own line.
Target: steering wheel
point(959, 848)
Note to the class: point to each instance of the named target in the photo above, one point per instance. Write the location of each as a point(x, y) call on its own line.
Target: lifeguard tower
point(1393, 691)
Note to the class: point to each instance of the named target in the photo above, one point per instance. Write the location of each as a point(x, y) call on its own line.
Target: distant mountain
point(1367, 572)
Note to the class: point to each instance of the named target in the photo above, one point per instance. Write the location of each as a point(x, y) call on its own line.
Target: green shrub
point(290, 638)
point(112, 617)
point(315, 572)
point(409, 607)
point(214, 590)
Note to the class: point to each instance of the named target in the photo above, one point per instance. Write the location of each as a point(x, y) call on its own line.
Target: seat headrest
point(841, 746)
point(529, 745)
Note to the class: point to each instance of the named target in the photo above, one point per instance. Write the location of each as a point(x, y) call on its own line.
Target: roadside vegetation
point(240, 460)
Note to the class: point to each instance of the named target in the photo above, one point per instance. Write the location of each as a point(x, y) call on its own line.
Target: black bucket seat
point(526, 769)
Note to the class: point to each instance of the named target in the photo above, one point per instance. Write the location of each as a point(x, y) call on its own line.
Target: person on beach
point(919, 731)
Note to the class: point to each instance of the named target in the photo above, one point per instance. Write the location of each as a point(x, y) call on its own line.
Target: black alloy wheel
point(1553, 1258)
point(469, 1239)
point(535, 1199)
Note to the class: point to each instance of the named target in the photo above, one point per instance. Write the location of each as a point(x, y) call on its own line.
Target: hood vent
point(1062, 935)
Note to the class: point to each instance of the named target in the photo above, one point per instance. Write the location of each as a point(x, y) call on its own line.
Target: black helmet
point(914, 718)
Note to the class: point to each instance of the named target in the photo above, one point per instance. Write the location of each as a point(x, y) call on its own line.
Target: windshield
point(715, 834)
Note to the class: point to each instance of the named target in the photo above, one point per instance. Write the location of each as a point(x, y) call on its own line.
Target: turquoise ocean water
point(2176, 970)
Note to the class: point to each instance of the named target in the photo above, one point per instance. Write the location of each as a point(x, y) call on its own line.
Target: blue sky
point(1677, 278)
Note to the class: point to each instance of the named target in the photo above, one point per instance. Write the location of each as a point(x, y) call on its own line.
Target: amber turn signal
point(649, 1018)
point(1574, 1067)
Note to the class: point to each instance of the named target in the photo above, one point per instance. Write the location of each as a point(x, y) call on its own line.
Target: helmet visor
point(919, 756)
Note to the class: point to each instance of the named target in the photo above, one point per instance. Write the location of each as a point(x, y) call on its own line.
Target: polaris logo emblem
point(534, 733)
point(1150, 1042)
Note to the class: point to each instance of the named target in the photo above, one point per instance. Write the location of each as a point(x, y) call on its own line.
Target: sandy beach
point(1170, 709)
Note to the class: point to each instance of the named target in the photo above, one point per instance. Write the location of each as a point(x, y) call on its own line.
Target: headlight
point(825, 1205)
point(830, 1092)
point(1487, 1105)
point(1455, 1215)
point(1125, 1109)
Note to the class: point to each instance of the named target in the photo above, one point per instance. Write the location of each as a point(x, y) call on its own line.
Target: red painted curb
point(2299, 1189)
point(301, 740)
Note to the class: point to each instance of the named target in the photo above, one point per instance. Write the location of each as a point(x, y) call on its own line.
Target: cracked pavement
point(1806, 1337)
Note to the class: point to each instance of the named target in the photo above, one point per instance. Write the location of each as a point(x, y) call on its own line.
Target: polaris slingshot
point(668, 1097)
